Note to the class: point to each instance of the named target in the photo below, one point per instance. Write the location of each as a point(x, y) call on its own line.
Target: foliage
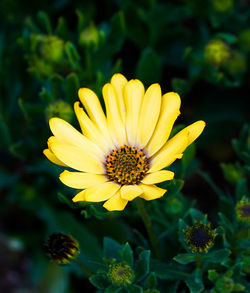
point(199, 49)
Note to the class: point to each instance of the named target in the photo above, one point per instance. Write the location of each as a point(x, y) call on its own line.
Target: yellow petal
point(158, 177)
point(115, 203)
point(151, 192)
point(101, 192)
point(149, 114)
point(170, 152)
point(119, 81)
point(79, 197)
point(91, 131)
point(133, 94)
point(53, 158)
point(115, 122)
point(170, 109)
point(77, 159)
point(81, 180)
point(130, 192)
point(69, 135)
point(194, 130)
point(93, 107)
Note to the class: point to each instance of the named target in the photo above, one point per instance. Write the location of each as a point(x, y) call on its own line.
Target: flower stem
point(149, 227)
point(198, 260)
point(83, 268)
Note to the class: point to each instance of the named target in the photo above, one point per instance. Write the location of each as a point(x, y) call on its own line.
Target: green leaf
point(142, 265)
point(111, 248)
point(181, 86)
point(44, 21)
point(168, 271)
point(198, 216)
point(173, 186)
point(185, 258)
point(241, 189)
point(64, 199)
point(229, 38)
point(72, 54)
point(194, 282)
point(149, 66)
point(4, 133)
point(187, 158)
point(56, 82)
point(45, 96)
point(135, 289)
point(151, 281)
point(100, 281)
point(212, 275)
point(217, 256)
point(62, 29)
point(113, 289)
point(127, 254)
point(238, 287)
point(72, 85)
point(225, 222)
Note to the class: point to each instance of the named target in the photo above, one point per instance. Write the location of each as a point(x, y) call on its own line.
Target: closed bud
point(120, 274)
point(52, 49)
point(59, 109)
point(232, 173)
point(216, 52)
point(89, 37)
point(62, 248)
point(225, 285)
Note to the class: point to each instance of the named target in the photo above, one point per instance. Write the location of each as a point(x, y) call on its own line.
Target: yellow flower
point(121, 155)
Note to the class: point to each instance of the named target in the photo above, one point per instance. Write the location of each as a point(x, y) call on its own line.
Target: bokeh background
point(48, 49)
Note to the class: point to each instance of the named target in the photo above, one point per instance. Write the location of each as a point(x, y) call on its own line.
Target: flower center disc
point(199, 237)
point(126, 165)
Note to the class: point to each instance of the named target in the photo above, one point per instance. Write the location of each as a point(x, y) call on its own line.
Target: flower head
point(243, 210)
point(121, 155)
point(199, 237)
point(216, 52)
point(62, 248)
point(120, 274)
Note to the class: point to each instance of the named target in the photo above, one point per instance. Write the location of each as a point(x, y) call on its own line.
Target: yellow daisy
point(121, 155)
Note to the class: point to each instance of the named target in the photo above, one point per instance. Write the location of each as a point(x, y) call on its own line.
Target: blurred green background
point(48, 49)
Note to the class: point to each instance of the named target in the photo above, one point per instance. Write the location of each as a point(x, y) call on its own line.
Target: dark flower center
point(245, 210)
point(126, 165)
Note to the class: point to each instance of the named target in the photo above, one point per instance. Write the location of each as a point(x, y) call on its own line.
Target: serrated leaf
point(142, 265)
point(185, 258)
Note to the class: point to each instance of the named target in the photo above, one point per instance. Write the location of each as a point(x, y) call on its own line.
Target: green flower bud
point(62, 248)
point(52, 49)
point(222, 5)
point(225, 285)
point(216, 52)
point(199, 237)
point(89, 37)
point(244, 39)
point(59, 109)
point(120, 274)
point(236, 64)
point(243, 210)
point(232, 173)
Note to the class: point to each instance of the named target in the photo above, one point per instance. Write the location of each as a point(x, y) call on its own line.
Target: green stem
point(198, 261)
point(149, 227)
point(83, 268)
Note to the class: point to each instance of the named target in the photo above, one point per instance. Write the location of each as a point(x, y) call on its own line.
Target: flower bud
point(199, 237)
point(232, 173)
point(52, 49)
point(225, 285)
point(216, 52)
point(89, 37)
point(62, 248)
point(120, 274)
point(59, 109)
